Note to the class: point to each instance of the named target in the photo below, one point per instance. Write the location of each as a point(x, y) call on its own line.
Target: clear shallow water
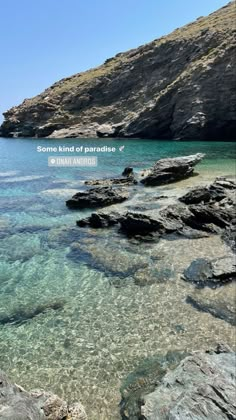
point(108, 323)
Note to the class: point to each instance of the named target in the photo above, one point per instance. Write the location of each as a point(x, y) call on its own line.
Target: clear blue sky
point(43, 41)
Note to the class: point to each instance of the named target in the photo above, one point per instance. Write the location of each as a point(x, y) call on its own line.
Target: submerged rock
point(203, 272)
point(18, 404)
point(170, 170)
point(108, 260)
point(218, 309)
point(143, 380)
point(201, 387)
point(97, 197)
point(23, 314)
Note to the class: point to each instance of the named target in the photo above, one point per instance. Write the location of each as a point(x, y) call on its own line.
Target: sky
point(43, 41)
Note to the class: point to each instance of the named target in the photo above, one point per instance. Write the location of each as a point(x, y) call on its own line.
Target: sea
point(82, 308)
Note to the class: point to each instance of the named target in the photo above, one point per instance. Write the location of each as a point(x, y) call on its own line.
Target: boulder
point(201, 387)
point(170, 170)
point(97, 197)
point(18, 404)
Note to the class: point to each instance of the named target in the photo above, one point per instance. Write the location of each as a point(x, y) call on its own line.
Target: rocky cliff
point(181, 86)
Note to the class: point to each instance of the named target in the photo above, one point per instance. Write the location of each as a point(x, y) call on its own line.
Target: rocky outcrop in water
point(214, 213)
point(18, 404)
point(97, 197)
point(201, 387)
point(127, 178)
point(170, 170)
point(181, 86)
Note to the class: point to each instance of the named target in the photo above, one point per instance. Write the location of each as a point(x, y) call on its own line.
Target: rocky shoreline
point(201, 212)
point(18, 404)
point(179, 383)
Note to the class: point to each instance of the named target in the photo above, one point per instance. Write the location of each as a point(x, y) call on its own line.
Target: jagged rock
point(137, 223)
point(214, 213)
point(97, 197)
point(203, 272)
point(217, 191)
point(18, 404)
point(170, 170)
point(177, 80)
point(201, 387)
point(99, 220)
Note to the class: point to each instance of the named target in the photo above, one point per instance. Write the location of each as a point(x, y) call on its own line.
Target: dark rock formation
point(213, 213)
point(97, 197)
point(137, 223)
point(128, 171)
point(217, 191)
point(18, 404)
point(211, 273)
point(99, 220)
point(170, 170)
point(181, 86)
point(201, 387)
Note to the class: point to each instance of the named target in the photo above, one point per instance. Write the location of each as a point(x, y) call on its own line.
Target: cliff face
point(181, 86)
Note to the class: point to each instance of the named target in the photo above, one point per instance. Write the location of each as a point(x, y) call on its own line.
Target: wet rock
point(213, 213)
point(203, 272)
point(128, 171)
point(170, 170)
point(201, 387)
point(143, 380)
point(137, 223)
point(216, 192)
point(97, 197)
point(99, 220)
point(18, 404)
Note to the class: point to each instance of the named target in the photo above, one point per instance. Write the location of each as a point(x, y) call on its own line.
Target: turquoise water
point(102, 319)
